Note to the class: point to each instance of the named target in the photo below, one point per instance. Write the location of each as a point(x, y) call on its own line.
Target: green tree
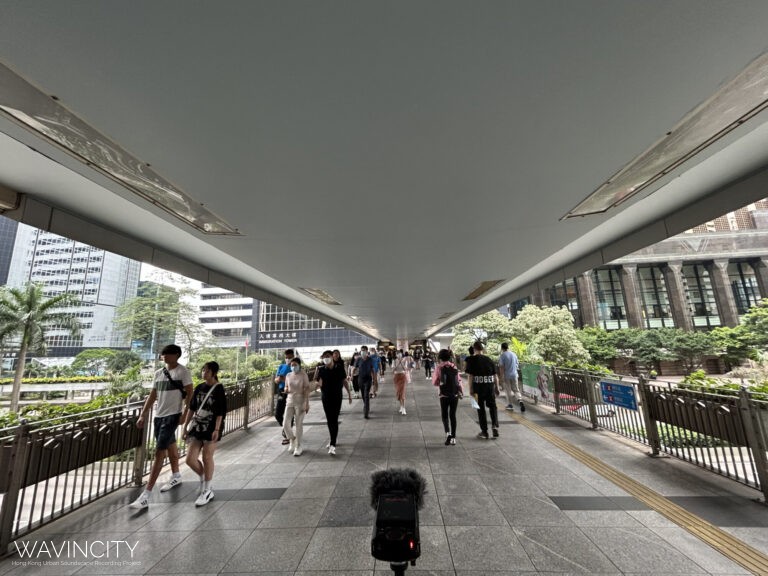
point(734, 345)
point(755, 324)
point(26, 315)
point(598, 343)
point(690, 348)
point(123, 361)
point(550, 334)
point(94, 361)
point(491, 328)
point(160, 315)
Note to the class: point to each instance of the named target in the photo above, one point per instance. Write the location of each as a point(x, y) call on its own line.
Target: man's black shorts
point(165, 430)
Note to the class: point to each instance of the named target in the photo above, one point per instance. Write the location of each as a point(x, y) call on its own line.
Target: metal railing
point(53, 467)
point(724, 433)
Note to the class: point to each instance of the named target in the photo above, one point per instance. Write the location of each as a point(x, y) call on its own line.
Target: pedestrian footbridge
point(549, 496)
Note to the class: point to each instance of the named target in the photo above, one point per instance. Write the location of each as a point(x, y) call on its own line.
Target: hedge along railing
point(724, 433)
point(53, 467)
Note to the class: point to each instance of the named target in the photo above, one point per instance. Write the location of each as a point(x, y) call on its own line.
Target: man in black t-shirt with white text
point(483, 381)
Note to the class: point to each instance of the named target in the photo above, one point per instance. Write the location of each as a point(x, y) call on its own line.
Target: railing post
point(16, 471)
point(755, 438)
point(651, 432)
point(141, 457)
point(556, 389)
point(247, 413)
point(591, 400)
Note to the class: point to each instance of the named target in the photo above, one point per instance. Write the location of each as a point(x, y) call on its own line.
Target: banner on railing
point(538, 381)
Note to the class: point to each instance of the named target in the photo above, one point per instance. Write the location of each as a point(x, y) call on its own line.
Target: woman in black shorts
point(203, 429)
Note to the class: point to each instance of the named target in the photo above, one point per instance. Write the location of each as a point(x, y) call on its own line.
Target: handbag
point(192, 424)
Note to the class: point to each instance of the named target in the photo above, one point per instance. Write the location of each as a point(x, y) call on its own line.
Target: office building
point(101, 280)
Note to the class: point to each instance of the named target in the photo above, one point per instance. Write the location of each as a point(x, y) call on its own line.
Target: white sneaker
point(205, 497)
point(141, 502)
point(332, 450)
point(172, 483)
point(292, 446)
point(298, 450)
point(403, 411)
point(328, 445)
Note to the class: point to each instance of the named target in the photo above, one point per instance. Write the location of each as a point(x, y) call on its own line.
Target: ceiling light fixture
point(482, 289)
point(740, 100)
point(24, 104)
point(322, 296)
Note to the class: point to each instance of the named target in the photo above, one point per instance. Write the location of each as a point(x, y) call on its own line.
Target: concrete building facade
point(706, 277)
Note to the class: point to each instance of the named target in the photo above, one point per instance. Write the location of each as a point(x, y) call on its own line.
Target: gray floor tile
point(323, 550)
point(489, 550)
point(511, 485)
point(294, 513)
point(701, 553)
point(236, 515)
point(201, 551)
point(459, 484)
point(622, 545)
point(311, 487)
point(563, 549)
point(270, 550)
point(348, 512)
point(471, 510)
point(531, 511)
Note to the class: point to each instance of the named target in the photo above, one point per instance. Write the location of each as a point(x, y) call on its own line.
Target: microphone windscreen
point(391, 480)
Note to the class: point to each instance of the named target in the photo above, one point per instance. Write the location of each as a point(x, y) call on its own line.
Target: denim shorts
point(165, 430)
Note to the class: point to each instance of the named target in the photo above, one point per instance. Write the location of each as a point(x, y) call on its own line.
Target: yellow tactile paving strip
point(725, 543)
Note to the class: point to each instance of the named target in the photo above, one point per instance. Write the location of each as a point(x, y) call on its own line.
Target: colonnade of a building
point(681, 309)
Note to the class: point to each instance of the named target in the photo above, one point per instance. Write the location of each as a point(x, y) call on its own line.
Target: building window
point(611, 311)
point(567, 294)
point(701, 296)
point(743, 282)
point(654, 297)
point(515, 307)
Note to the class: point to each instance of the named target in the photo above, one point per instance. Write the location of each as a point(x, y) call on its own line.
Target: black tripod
point(398, 568)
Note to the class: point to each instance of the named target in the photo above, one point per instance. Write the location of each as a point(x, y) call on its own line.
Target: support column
point(726, 305)
point(678, 302)
point(628, 275)
point(760, 267)
point(587, 302)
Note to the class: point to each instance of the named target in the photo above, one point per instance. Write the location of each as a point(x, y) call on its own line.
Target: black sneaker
point(483, 435)
point(522, 406)
point(447, 439)
point(495, 433)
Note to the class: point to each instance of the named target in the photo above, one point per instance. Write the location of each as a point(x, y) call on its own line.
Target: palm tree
point(25, 317)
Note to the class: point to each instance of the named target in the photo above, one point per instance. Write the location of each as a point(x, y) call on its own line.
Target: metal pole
point(755, 438)
point(16, 472)
point(591, 401)
point(651, 432)
point(247, 412)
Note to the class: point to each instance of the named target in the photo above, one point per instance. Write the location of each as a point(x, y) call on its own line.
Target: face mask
point(295, 369)
point(364, 354)
point(326, 361)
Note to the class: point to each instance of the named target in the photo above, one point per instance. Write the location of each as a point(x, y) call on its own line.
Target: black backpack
point(449, 386)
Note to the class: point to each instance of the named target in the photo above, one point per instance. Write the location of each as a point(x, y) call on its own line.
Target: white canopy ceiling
point(390, 156)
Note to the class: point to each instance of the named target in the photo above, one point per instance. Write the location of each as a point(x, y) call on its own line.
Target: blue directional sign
point(618, 394)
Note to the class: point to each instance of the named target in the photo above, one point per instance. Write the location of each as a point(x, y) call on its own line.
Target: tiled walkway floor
point(512, 506)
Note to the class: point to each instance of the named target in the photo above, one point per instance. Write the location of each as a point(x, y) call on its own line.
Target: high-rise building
point(101, 280)
point(234, 320)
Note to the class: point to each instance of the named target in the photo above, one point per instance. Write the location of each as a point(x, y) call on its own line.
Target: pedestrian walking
point(400, 379)
point(508, 367)
point(297, 389)
point(204, 427)
point(282, 371)
point(446, 378)
point(172, 389)
point(333, 381)
point(483, 382)
point(366, 378)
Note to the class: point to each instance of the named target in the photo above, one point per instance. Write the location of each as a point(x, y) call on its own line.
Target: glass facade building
point(101, 280)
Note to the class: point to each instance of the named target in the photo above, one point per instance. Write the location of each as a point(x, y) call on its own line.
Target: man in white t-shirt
point(172, 390)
